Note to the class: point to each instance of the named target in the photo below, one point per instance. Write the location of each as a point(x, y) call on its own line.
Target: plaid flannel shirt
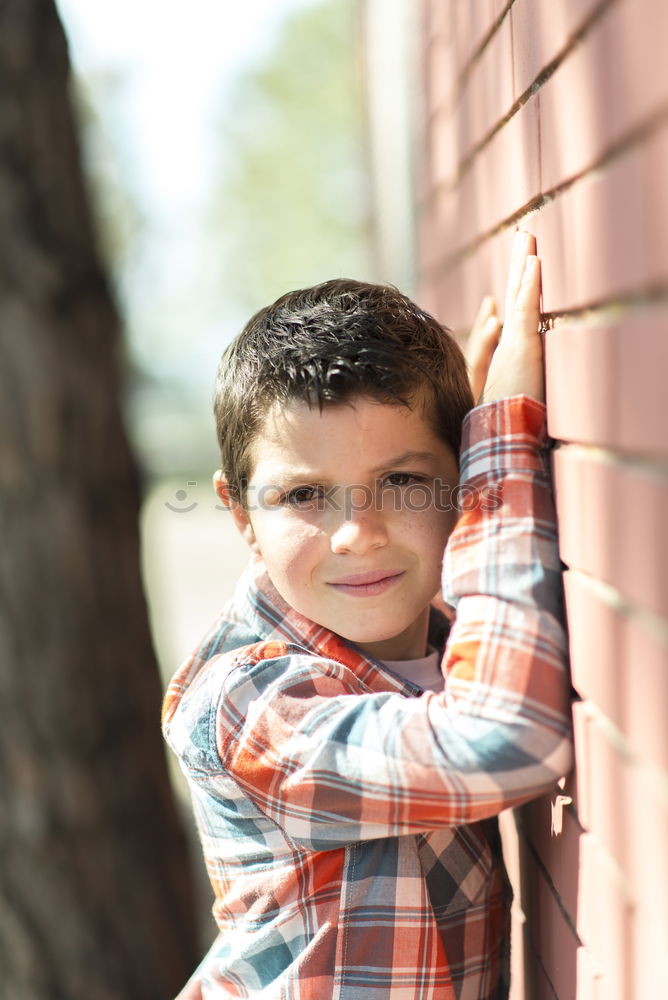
point(345, 815)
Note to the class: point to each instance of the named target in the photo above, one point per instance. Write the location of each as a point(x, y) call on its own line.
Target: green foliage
point(292, 206)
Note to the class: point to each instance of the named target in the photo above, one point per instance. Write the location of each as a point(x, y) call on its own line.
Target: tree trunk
point(95, 897)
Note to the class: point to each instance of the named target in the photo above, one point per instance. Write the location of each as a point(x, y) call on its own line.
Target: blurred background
point(224, 150)
point(165, 171)
point(228, 161)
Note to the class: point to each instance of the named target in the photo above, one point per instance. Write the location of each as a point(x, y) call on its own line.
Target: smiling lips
point(366, 584)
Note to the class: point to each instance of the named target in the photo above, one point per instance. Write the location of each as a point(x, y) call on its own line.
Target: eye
point(303, 497)
point(402, 479)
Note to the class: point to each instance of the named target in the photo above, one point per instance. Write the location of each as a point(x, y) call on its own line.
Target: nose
point(361, 527)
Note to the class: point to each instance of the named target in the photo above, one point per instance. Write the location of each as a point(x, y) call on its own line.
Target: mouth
point(366, 584)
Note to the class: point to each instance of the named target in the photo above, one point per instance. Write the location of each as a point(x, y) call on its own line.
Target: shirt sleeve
point(332, 766)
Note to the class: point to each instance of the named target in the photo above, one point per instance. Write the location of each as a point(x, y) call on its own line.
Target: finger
point(490, 334)
point(526, 316)
point(487, 309)
point(481, 328)
point(480, 352)
point(523, 245)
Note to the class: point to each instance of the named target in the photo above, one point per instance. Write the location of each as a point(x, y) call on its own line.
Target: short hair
point(329, 344)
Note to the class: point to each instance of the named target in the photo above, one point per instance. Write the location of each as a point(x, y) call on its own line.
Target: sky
point(173, 67)
point(175, 64)
point(178, 61)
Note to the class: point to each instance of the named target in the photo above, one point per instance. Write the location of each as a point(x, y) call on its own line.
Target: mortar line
point(548, 878)
point(533, 88)
point(623, 145)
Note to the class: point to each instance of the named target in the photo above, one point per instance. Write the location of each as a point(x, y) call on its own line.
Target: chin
point(362, 636)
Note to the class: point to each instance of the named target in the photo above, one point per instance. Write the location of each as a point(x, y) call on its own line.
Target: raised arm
point(329, 765)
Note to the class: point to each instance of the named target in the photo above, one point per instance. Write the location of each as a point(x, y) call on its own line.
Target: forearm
point(505, 661)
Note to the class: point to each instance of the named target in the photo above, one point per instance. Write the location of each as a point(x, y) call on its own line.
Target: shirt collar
point(271, 618)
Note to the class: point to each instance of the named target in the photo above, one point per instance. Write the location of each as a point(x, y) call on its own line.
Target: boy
point(346, 749)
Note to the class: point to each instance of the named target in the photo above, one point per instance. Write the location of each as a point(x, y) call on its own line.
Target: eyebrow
point(405, 459)
point(297, 476)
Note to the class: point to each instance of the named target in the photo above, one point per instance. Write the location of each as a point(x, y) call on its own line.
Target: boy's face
point(348, 508)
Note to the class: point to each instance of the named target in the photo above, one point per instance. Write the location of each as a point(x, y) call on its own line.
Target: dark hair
point(329, 344)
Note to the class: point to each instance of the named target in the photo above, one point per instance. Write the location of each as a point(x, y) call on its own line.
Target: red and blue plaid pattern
point(346, 817)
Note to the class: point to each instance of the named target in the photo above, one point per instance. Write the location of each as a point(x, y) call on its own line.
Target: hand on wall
point(508, 362)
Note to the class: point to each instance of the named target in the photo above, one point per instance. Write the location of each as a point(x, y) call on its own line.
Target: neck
point(411, 644)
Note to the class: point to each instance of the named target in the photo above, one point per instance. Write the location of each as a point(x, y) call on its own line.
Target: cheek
point(290, 551)
point(430, 527)
point(428, 536)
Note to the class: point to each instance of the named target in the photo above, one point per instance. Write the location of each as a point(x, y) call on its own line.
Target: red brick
point(623, 915)
point(541, 987)
point(646, 690)
point(441, 76)
point(611, 230)
point(605, 383)
point(655, 153)
point(458, 290)
point(430, 238)
point(462, 287)
point(472, 23)
point(604, 773)
point(500, 182)
point(604, 89)
point(596, 632)
point(648, 819)
point(595, 239)
point(425, 296)
point(604, 917)
point(540, 32)
point(439, 17)
point(619, 661)
point(488, 94)
point(553, 226)
point(445, 150)
point(611, 524)
point(603, 238)
point(507, 171)
point(422, 23)
point(581, 719)
point(588, 976)
point(459, 213)
point(560, 853)
point(624, 805)
point(486, 98)
point(647, 862)
point(461, 290)
point(650, 959)
point(550, 935)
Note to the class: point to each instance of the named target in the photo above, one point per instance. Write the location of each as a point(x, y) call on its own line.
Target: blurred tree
point(292, 207)
point(115, 206)
point(94, 891)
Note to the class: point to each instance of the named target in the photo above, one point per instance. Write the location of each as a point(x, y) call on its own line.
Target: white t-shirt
point(425, 671)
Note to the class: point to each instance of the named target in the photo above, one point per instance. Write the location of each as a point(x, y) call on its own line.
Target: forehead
point(344, 438)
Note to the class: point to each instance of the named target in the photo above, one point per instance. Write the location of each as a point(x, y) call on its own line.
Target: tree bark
point(95, 894)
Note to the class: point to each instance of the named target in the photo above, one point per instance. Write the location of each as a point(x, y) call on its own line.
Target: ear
point(227, 497)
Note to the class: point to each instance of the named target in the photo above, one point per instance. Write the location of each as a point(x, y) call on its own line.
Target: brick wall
point(555, 113)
